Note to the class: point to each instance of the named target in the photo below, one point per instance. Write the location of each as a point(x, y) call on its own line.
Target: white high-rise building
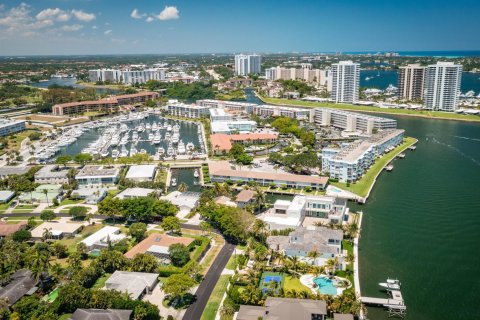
point(246, 64)
point(345, 81)
point(442, 83)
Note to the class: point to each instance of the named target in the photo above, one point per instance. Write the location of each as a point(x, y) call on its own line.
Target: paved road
point(194, 312)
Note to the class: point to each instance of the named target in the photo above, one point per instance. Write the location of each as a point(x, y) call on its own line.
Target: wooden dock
point(394, 304)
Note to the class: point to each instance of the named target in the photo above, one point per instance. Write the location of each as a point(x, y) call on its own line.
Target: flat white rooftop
point(146, 171)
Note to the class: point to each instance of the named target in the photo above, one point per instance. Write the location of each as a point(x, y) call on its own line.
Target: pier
point(394, 304)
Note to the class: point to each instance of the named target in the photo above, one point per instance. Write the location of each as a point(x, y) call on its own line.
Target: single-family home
point(56, 230)
point(6, 171)
point(140, 173)
point(21, 283)
point(285, 309)
point(131, 193)
point(135, 284)
point(91, 196)
point(245, 198)
point(51, 174)
point(7, 229)
point(101, 314)
point(6, 196)
point(92, 175)
point(103, 237)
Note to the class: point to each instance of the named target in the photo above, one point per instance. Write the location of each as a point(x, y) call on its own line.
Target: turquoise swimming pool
point(326, 286)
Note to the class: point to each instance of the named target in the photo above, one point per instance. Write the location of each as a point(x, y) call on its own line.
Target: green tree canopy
point(179, 254)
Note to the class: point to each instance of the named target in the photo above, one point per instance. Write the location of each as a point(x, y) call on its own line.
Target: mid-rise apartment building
point(126, 76)
point(318, 76)
point(345, 81)
point(281, 111)
point(411, 81)
point(352, 121)
point(188, 110)
point(237, 106)
point(246, 64)
point(442, 86)
point(9, 127)
point(348, 164)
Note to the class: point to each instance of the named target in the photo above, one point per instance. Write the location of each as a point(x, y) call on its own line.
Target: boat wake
point(467, 138)
point(458, 151)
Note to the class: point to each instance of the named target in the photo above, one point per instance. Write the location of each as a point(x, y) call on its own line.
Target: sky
point(63, 27)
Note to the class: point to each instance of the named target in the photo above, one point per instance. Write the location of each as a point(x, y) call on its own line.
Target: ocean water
point(441, 53)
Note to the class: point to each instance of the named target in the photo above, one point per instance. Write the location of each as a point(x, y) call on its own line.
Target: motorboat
point(190, 146)
point(169, 128)
point(124, 152)
point(391, 284)
point(161, 150)
point(174, 182)
point(181, 147)
point(196, 174)
point(157, 138)
point(133, 151)
point(143, 151)
point(105, 153)
point(170, 151)
point(150, 137)
point(154, 126)
point(148, 126)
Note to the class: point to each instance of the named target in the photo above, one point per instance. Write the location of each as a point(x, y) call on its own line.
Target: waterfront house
point(245, 198)
point(131, 193)
point(285, 309)
point(327, 242)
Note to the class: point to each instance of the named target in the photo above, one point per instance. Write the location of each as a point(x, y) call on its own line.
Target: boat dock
point(389, 167)
point(394, 304)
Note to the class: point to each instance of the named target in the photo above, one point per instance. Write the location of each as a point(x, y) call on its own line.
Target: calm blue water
point(382, 78)
point(325, 286)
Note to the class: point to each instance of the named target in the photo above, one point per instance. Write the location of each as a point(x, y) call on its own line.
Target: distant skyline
point(63, 27)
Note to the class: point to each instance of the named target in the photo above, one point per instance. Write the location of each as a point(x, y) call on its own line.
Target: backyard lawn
point(216, 298)
point(294, 284)
point(362, 186)
point(100, 283)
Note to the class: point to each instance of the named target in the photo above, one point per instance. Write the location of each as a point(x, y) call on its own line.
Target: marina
point(128, 135)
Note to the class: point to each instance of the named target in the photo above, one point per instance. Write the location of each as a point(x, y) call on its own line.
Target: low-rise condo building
point(51, 174)
point(352, 121)
point(221, 171)
point(8, 127)
point(348, 164)
point(222, 143)
point(109, 105)
point(97, 175)
point(228, 127)
point(187, 110)
point(245, 107)
point(281, 111)
point(218, 114)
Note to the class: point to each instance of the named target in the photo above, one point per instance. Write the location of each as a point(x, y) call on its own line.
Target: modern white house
point(140, 173)
point(290, 214)
point(300, 242)
point(135, 284)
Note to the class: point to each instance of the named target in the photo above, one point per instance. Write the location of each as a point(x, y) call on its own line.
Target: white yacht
point(170, 151)
point(154, 126)
point(148, 126)
point(175, 138)
point(115, 153)
point(105, 153)
point(196, 174)
point(134, 135)
point(161, 150)
point(391, 284)
point(124, 152)
point(150, 136)
point(157, 138)
point(190, 146)
point(181, 147)
point(169, 128)
point(174, 182)
point(167, 136)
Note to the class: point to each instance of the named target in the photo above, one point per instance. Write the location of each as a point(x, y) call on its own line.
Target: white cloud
point(136, 15)
point(149, 19)
point(72, 27)
point(18, 19)
point(169, 13)
point(83, 16)
point(107, 32)
point(53, 14)
point(94, 27)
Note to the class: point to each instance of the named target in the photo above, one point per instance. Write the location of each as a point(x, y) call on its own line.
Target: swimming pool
point(326, 286)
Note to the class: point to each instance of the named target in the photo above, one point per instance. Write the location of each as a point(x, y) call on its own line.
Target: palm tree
point(352, 230)
point(182, 187)
point(294, 263)
point(40, 261)
point(350, 258)
point(314, 254)
point(47, 234)
point(331, 265)
point(259, 228)
point(259, 197)
point(45, 192)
